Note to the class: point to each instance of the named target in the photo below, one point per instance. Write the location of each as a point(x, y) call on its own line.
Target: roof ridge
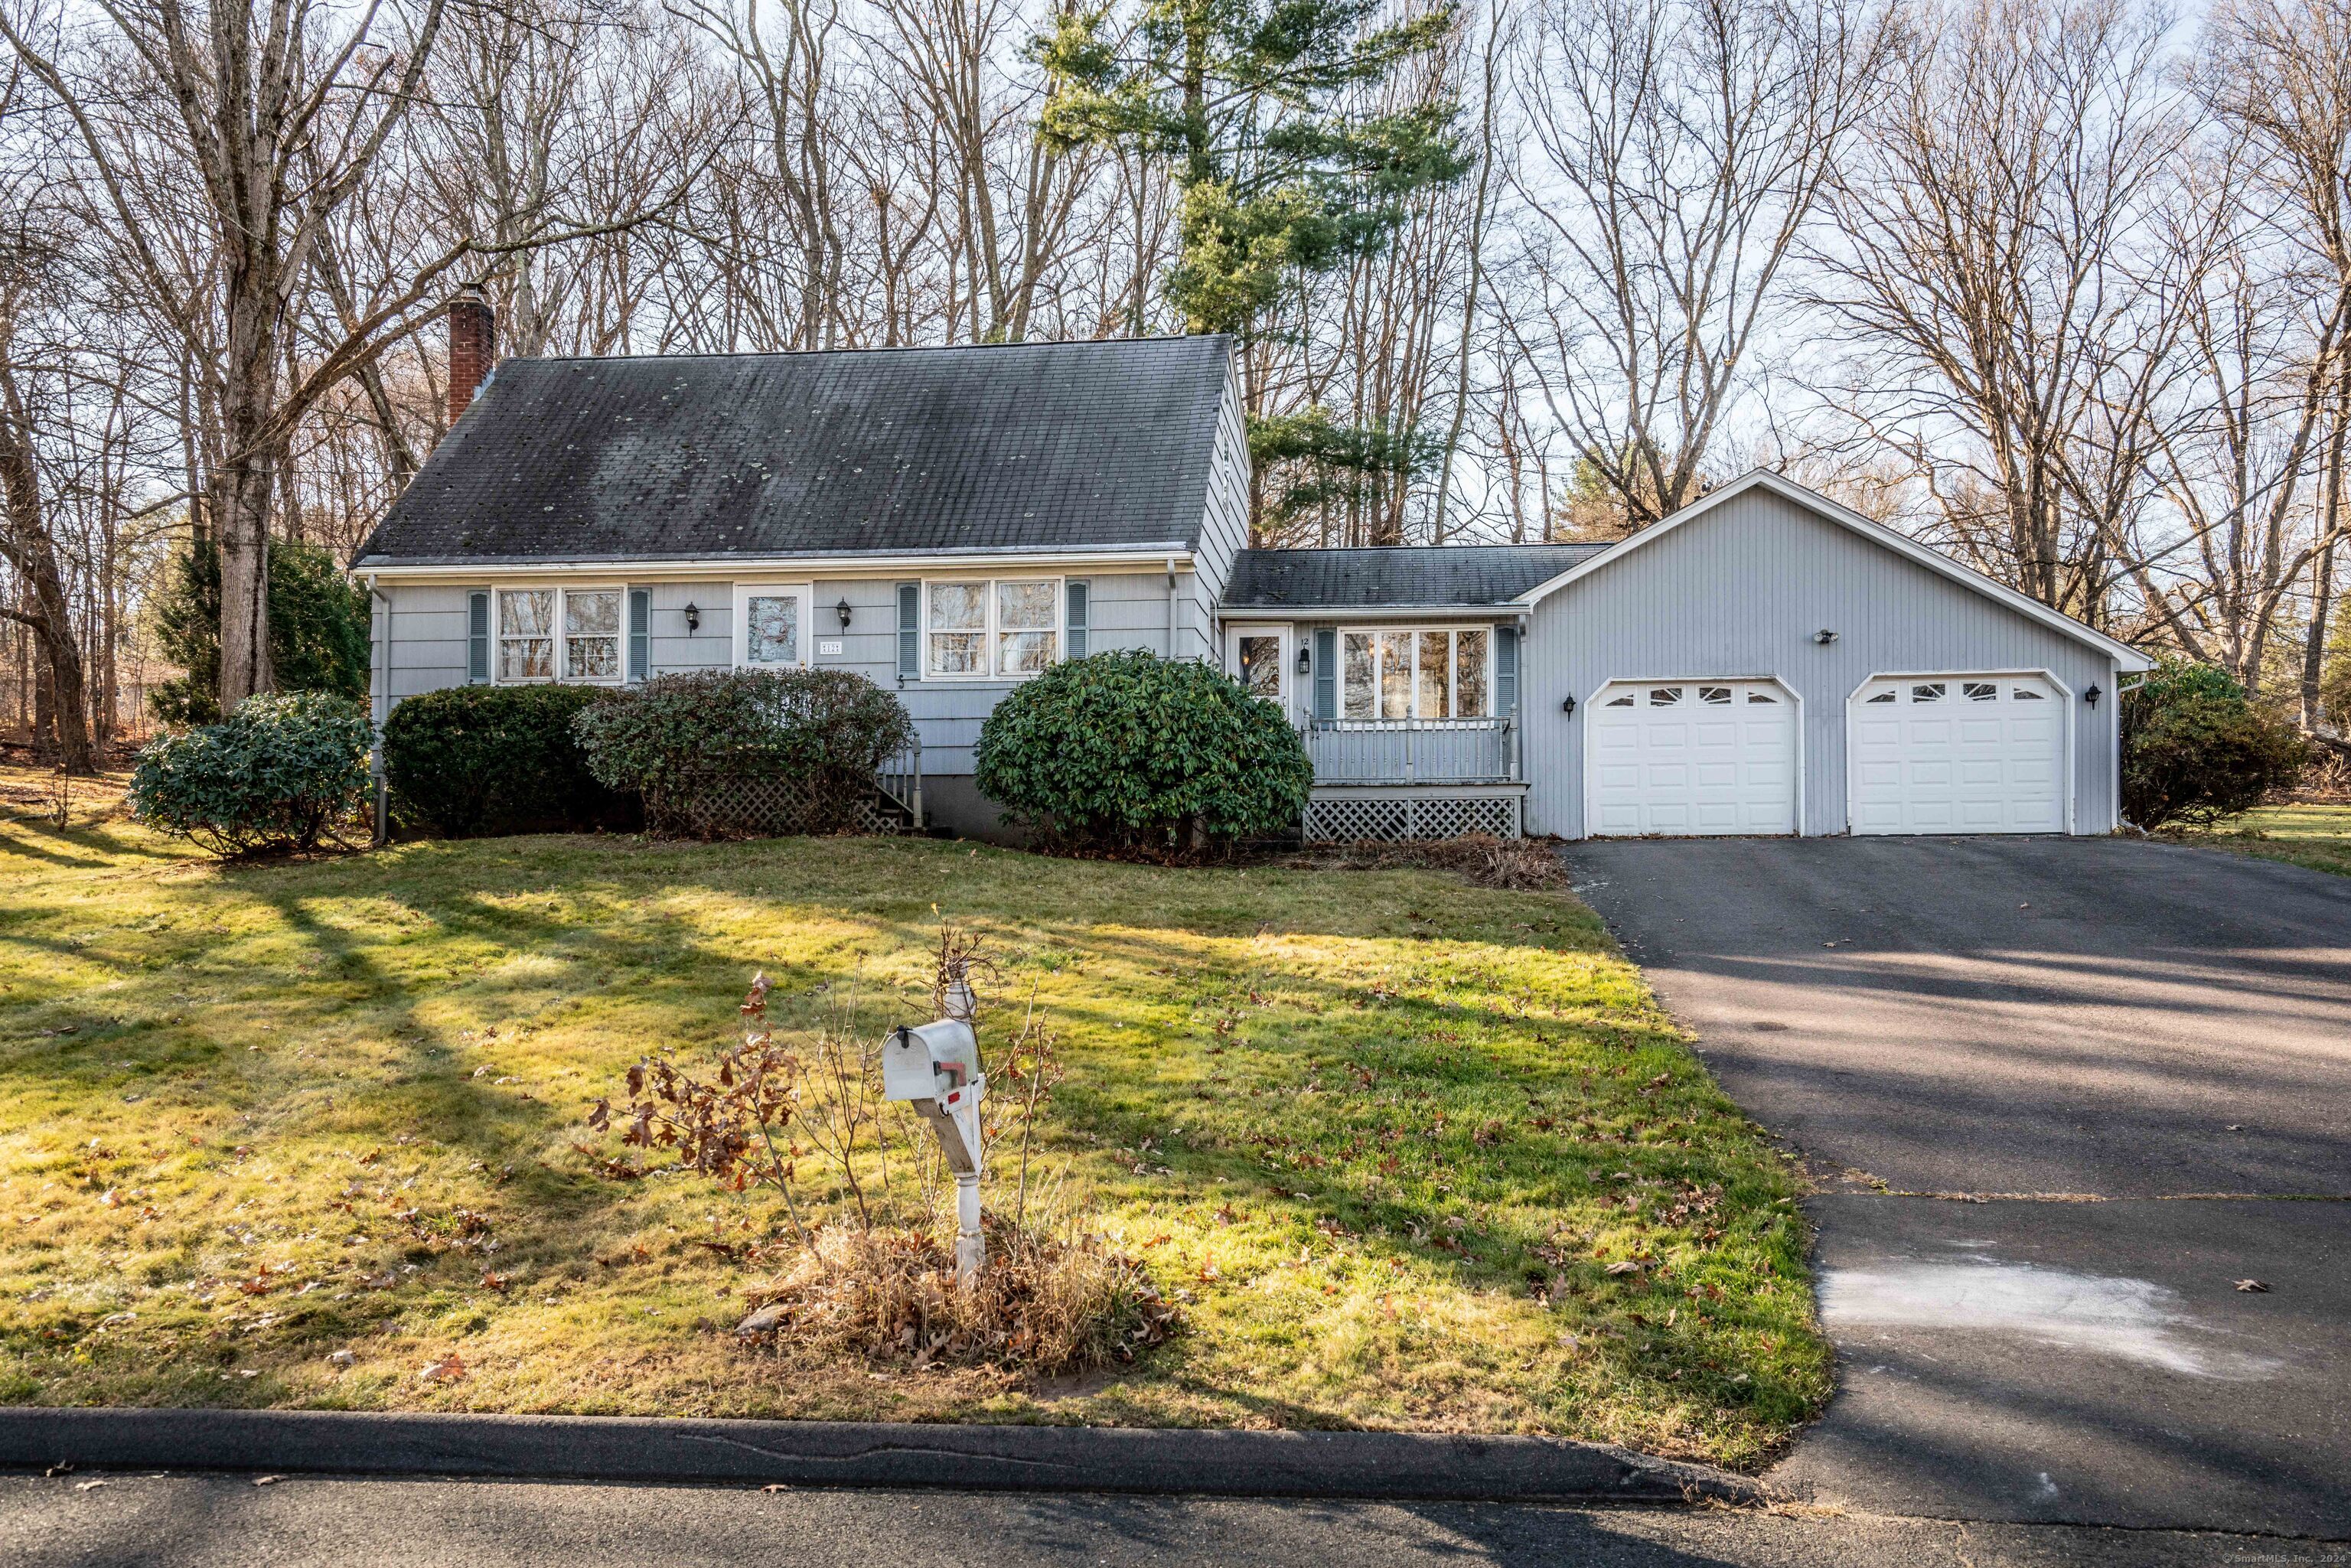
point(861, 348)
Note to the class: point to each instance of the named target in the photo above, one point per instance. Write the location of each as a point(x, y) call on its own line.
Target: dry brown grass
point(1518, 865)
point(1044, 1303)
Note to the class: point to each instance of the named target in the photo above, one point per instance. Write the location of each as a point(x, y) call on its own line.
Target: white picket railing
point(1413, 751)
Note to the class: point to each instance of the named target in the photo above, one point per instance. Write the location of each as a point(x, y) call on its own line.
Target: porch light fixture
point(693, 617)
point(1305, 661)
point(1567, 704)
point(1825, 636)
point(841, 609)
point(2093, 694)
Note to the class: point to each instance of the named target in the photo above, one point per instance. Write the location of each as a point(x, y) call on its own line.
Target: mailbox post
point(935, 1067)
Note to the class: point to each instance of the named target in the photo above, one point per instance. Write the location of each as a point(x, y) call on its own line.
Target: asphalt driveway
point(2060, 1097)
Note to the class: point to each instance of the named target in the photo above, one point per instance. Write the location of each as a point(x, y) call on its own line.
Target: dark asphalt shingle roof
point(1020, 446)
point(1396, 577)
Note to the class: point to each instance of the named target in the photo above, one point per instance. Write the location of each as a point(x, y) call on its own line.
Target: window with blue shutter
point(1076, 629)
point(910, 631)
point(640, 629)
point(1505, 671)
point(1326, 672)
point(478, 637)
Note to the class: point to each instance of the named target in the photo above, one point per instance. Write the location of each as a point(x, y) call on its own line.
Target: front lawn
point(1411, 1153)
point(2318, 837)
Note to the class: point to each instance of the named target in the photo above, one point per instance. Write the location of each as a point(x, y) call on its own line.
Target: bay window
point(1006, 627)
point(1424, 673)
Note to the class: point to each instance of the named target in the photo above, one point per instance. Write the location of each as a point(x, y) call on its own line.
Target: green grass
point(2318, 837)
point(253, 1116)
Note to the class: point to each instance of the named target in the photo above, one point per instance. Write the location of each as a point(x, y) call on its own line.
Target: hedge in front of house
point(1131, 750)
point(481, 762)
point(742, 753)
point(285, 773)
point(2195, 750)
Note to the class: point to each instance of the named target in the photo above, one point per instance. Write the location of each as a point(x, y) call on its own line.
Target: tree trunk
point(2322, 570)
point(25, 543)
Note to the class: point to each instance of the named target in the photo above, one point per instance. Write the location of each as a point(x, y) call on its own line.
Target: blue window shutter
point(1077, 627)
point(478, 637)
point(1505, 671)
point(1326, 672)
point(640, 628)
point(910, 631)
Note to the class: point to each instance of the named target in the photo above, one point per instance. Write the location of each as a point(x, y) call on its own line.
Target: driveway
point(2059, 1097)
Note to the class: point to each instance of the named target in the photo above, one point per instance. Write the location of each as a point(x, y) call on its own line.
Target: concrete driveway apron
point(2061, 1097)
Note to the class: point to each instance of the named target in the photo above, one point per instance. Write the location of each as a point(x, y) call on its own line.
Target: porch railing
point(901, 778)
point(1413, 751)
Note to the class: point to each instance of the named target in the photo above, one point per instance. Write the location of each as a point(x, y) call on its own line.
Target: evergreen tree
point(1253, 106)
point(318, 636)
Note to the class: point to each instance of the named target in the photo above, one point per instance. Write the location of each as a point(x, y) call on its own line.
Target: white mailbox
point(934, 1068)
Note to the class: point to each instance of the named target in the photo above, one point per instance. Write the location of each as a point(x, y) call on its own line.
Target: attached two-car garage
point(1956, 754)
point(1946, 752)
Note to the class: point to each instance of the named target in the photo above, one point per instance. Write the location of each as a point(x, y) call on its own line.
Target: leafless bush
point(867, 1249)
point(1046, 1303)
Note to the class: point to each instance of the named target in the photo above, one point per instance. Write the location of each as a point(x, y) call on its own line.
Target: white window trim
point(562, 676)
point(1235, 630)
point(990, 631)
point(741, 603)
point(1414, 630)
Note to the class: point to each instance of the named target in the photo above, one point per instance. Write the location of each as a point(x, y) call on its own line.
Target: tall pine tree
point(1256, 108)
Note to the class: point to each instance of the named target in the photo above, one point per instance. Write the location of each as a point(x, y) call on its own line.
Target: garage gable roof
point(2124, 656)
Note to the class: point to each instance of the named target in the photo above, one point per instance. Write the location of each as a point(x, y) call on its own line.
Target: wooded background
point(2062, 287)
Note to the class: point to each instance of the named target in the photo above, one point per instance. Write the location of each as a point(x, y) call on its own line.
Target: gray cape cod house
point(950, 522)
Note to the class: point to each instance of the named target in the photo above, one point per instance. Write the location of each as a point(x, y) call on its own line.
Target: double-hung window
point(1008, 628)
point(558, 634)
point(1423, 672)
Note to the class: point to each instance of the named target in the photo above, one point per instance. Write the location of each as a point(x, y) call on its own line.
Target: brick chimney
point(472, 347)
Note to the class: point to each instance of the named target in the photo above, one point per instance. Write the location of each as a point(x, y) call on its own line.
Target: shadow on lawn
point(614, 945)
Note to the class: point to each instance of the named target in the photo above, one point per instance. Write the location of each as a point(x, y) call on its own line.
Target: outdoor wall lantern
point(1567, 704)
point(693, 617)
point(1305, 661)
point(2093, 694)
point(841, 609)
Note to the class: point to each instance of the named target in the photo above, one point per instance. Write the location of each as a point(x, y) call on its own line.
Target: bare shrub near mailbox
point(1129, 751)
point(284, 774)
point(861, 1239)
point(692, 744)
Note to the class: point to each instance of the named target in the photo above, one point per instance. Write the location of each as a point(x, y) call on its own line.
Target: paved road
point(2061, 1096)
point(228, 1523)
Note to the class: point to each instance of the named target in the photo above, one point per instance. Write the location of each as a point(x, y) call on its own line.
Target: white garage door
point(1957, 754)
point(1690, 757)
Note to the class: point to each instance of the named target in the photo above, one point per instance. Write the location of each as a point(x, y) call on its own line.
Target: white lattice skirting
point(1393, 818)
point(768, 805)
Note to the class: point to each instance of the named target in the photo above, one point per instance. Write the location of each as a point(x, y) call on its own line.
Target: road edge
point(1379, 1466)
